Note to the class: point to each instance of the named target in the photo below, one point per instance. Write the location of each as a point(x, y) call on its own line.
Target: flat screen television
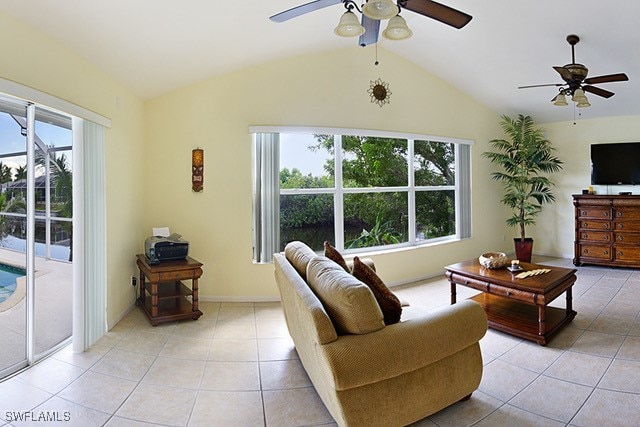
point(615, 164)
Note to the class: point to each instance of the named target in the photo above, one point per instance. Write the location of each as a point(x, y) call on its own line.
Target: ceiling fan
point(375, 10)
point(576, 81)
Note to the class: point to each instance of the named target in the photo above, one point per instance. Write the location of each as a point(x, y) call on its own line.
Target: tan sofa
point(397, 374)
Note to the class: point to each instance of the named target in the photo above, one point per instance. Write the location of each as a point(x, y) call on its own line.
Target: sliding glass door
point(13, 230)
point(35, 233)
point(52, 231)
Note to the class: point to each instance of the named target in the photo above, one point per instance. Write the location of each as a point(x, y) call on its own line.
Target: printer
point(160, 248)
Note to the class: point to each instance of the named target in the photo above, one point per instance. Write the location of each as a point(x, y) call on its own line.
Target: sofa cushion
point(299, 255)
point(333, 254)
point(349, 302)
point(388, 302)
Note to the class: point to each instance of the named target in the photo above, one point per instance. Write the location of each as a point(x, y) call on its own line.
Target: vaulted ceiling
point(154, 46)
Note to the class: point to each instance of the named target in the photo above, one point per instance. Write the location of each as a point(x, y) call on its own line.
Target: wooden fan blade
point(301, 10)
point(597, 91)
point(370, 35)
point(564, 73)
point(545, 85)
point(437, 11)
point(620, 77)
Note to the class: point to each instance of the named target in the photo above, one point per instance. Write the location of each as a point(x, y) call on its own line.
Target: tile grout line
point(610, 362)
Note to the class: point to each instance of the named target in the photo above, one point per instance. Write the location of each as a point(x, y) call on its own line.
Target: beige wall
point(554, 231)
point(149, 146)
point(31, 59)
point(148, 154)
point(327, 89)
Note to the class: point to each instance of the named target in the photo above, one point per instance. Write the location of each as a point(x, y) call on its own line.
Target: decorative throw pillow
point(388, 302)
point(349, 303)
point(333, 254)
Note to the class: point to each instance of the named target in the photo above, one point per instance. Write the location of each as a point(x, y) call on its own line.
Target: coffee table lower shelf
point(520, 319)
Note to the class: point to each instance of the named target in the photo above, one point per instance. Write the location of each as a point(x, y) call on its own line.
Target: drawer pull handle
point(585, 236)
point(606, 225)
point(584, 213)
point(606, 214)
point(606, 237)
point(586, 224)
point(620, 238)
point(606, 252)
point(585, 251)
point(619, 253)
point(620, 226)
point(619, 214)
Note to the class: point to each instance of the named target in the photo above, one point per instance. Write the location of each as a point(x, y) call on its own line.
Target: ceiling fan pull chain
point(376, 63)
point(574, 114)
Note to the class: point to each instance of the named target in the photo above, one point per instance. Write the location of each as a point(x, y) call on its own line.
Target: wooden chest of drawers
point(607, 230)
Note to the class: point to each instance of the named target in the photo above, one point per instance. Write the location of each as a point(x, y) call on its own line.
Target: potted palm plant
point(524, 158)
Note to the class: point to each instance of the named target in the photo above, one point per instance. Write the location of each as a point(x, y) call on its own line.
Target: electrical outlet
point(134, 281)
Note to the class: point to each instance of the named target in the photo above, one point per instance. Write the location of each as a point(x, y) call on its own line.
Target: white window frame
point(462, 187)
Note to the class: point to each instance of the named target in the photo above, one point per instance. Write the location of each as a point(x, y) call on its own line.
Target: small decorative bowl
point(493, 259)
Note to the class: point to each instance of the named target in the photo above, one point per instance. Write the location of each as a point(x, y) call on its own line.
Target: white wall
point(327, 89)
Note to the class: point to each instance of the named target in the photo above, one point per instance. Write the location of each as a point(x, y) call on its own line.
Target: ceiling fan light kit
point(374, 11)
point(397, 29)
point(560, 100)
point(576, 82)
point(579, 96)
point(380, 9)
point(349, 25)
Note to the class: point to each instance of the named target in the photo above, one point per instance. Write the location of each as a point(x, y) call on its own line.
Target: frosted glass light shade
point(583, 104)
point(380, 9)
point(397, 29)
point(349, 26)
point(579, 96)
point(560, 100)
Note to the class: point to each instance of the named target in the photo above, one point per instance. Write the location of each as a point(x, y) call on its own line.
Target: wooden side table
point(167, 300)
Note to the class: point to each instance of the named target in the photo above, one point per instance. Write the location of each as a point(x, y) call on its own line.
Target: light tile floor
point(236, 366)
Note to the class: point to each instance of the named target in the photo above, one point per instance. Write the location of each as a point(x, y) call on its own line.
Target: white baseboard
point(415, 279)
point(239, 299)
point(121, 316)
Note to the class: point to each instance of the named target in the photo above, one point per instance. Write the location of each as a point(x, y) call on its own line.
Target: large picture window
point(358, 190)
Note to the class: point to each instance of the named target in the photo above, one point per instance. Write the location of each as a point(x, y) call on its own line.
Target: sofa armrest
point(356, 360)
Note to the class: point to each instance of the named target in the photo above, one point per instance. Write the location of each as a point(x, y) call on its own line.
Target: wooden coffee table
point(517, 306)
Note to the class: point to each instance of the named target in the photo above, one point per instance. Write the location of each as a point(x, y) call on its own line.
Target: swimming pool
point(8, 276)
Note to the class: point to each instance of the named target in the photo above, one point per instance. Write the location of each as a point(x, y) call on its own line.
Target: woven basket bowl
point(493, 259)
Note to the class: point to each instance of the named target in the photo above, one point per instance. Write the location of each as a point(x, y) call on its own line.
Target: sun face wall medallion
point(379, 92)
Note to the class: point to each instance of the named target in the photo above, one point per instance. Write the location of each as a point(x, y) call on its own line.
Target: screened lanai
point(53, 192)
point(35, 224)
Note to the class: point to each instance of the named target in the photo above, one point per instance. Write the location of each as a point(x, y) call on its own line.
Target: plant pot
point(523, 249)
